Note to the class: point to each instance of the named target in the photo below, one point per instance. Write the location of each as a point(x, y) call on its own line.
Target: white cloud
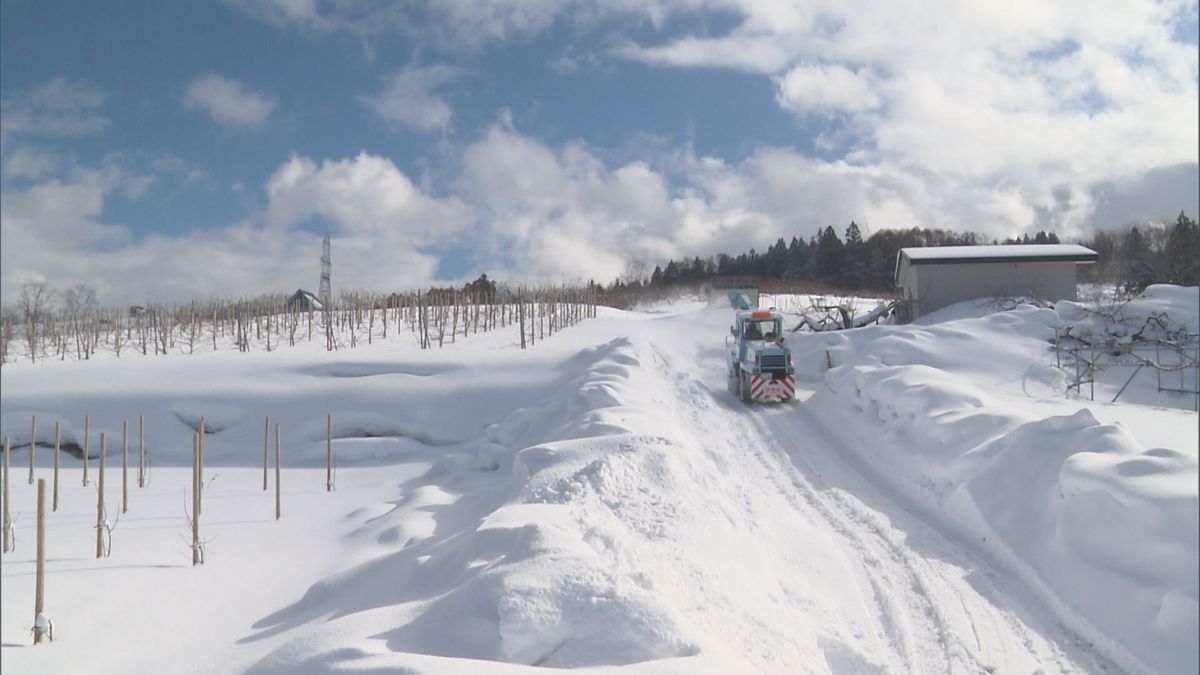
point(228, 101)
point(166, 162)
point(460, 25)
point(364, 195)
point(28, 162)
point(357, 17)
point(56, 230)
point(826, 89)
point(410, 99)
point(60, 107)
point(1013, 104)
point(523, 210)
point(562, 212)
point(47, 227)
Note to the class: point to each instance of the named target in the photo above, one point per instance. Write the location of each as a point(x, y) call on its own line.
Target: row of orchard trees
point(42, 327)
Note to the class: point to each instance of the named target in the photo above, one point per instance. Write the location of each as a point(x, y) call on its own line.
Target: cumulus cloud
point(227, 101)
point(364, 195)
point(520, 209)
point(49, 224)
point(1023, 106)
point(1006, 114)
point(562, 212)
point(826, 89)
point(410, 98)
point(56, 231)
point(60, 107)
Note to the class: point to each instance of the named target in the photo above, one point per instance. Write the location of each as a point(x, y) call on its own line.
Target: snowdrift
point(1099, 524)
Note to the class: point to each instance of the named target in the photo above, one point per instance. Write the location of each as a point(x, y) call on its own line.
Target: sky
point(160, 152)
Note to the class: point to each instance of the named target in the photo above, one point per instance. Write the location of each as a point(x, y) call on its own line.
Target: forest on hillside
point(1132, 259)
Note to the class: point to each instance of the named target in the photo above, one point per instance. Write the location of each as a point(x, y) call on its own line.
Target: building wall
point(931, 287)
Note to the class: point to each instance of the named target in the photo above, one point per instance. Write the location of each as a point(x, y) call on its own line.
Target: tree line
point(1132, 258)
point(47, 324)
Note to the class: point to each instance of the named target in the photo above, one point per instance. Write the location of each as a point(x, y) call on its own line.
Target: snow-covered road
point(878, 585)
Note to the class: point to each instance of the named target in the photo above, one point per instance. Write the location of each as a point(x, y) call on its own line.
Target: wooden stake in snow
point(266, 440)
point(329, 453)
point(85, 450)
point(124, 466)
point(32, 446)
point(278, 512)
point(57, 438)
point(8, 533)
point(141, 451)
point(196, 553)
point(39, 594)
point(201, 453)
point(100, 499)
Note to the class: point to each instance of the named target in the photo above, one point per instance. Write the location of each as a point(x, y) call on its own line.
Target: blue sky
point(160, 151)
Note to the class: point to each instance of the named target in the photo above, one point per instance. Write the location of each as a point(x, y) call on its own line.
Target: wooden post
point(277, 501)
point(40, 584)
point(100, 499)
point(266, 440)
point(85, 450)
point(8, 533)
point(124, 466)
point(56, 453)
point(201, 453)
point(39, 594)
point(141, 451)
point(196, 499)
point(329, 453)
point(32, 446)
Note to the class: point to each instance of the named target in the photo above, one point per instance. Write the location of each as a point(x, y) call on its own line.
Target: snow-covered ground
point(936, 502)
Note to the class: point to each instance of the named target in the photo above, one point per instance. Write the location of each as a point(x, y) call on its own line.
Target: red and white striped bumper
point(764, 388)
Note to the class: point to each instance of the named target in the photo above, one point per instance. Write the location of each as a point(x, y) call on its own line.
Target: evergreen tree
point(1183, 252)
point(852, 272)
point(798, 260)
point(1139, 261)
point(830, 258)
point(775, 262)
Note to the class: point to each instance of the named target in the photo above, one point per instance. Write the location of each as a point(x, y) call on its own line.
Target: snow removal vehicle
point(760, 362)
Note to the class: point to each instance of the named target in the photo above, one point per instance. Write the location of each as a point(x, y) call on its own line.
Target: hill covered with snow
point(938, 501)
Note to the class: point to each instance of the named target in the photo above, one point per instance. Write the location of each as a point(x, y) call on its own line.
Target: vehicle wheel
point(745, 388)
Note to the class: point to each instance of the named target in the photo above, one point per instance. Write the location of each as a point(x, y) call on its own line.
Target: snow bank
point(1104, 527)
point(518, 567)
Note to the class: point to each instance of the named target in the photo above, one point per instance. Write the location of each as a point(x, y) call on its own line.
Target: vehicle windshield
point(767, 329)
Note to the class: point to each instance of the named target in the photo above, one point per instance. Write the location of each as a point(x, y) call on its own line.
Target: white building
point(934, 277)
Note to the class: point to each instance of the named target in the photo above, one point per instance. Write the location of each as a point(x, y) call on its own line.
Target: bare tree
point(80, 304)
point(37, 301)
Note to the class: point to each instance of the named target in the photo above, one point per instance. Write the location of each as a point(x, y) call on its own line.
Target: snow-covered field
point(936, 502)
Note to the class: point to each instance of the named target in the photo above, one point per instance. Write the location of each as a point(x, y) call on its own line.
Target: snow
point(1001, 251)
point(938, 502)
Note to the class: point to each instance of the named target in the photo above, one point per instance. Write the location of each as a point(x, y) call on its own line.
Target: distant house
point(303, 301)
point(934, 277)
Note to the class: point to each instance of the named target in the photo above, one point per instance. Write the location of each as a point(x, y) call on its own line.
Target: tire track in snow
point(932, 618)
point(908, 621)
point(1001, 627)
point(917, 630)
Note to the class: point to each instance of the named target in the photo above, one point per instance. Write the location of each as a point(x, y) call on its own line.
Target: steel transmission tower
point(326, 265)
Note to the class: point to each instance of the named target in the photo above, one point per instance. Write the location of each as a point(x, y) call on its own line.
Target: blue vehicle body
point(760, 362)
